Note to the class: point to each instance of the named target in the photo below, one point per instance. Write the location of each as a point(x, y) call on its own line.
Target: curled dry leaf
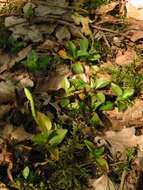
point(104, 9)
point(103, 183)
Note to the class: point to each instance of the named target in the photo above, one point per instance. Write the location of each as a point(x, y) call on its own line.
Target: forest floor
point(71, 96)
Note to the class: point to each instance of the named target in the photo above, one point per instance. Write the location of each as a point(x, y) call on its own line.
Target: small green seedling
point(123, 96)
point(26, 172)
point(83, 52)
point(40, 118)
point(97, 154)
point(50, 138)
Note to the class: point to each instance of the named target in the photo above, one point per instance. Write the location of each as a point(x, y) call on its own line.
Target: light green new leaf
point(65, 84)
point(58, 138)
point(31, 101)
point(90, 145)
point(72, 49)
point(107, 106)
point(100, 97)
point(26, 172)
point(102, 163)
point(116, 89)
point(84, 44)
point(44, 122)
point(98, 152)
point(41, 138)
point(128, 93)
point(101, 83)
point(82, 53)
point(77, 68)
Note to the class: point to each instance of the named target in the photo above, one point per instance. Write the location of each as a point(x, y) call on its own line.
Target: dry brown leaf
point(136, 35)
point(123, 139)
point(133, 116)
point(104, 9)
point(103, 183)
point(78, 19)
point(3, 186)
point(7, 91)
point(57, 7)
point(4, 109)
point(18, 133)
point(47, 45)
point(62, 33)
point(126, 57)
point(4, 58)
point(20, 56)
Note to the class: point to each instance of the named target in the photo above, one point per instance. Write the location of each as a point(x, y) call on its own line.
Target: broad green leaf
point(44, 122)
point(41, 138)
point(77, 68)
point(84, 44)
point(95, 120)
point(95, 57)
point(101, 83)
point(98, 152)
point(102, 163)
point(72, 48)
point(78, 84)
point(64, 102)
point(107, 106)
point(116, 89)
point(31, 101)
point(65, 84)
point(32, 61)
point(58, 138)
point(26, 172)
point(95, 105)
point(28, 10)
point(100, 97)
point(90, 145)
point(122, 106)
point(128, 93)
point(82, 53)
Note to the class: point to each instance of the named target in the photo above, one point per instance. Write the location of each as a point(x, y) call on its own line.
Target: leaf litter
point(70, 57)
